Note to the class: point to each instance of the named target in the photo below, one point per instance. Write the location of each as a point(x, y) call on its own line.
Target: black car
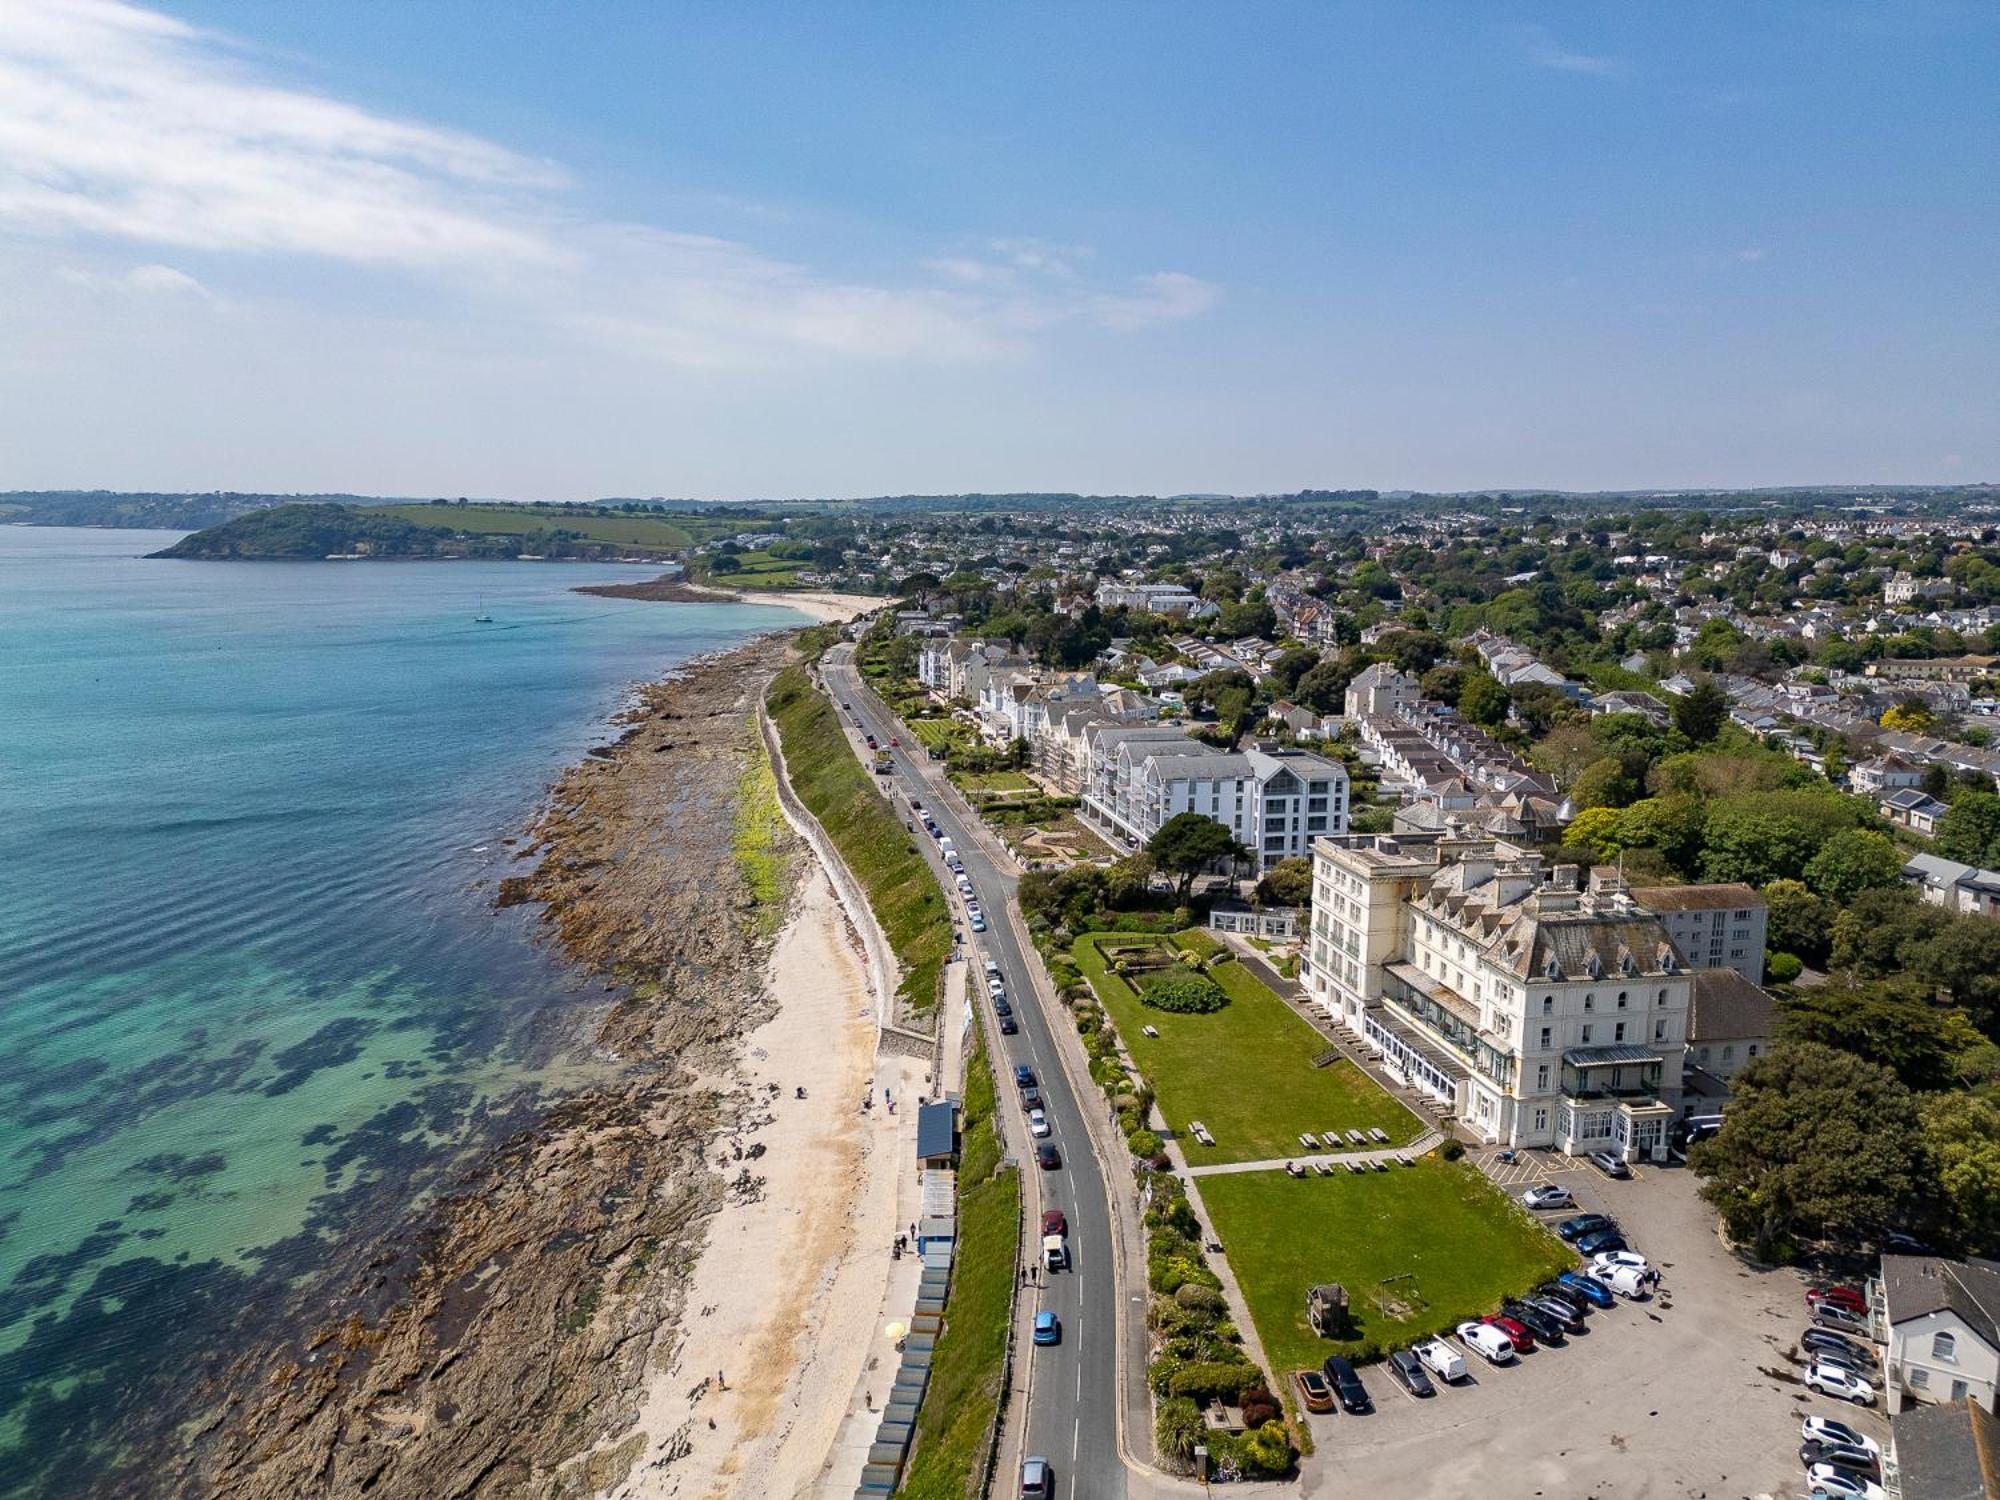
point(1575, 1229)
point(1047, 1157)
point(1844, 1456)
point(1558, 1310)
point(1410, 1373)
point(1009, 1026)
point(1002, 1006)
point(1537, 1322)
point(1346, 1384)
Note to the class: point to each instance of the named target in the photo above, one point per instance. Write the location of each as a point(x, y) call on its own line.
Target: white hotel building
point(1541, 1013)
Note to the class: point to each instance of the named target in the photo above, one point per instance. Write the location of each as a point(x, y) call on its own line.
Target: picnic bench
point(1200, 1132)
point(1152, 1031)
point(1309, 1141)
point(1379, 1134)
point(1357, 1138)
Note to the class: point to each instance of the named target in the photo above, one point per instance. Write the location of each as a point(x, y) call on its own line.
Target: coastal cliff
point(498, 1345)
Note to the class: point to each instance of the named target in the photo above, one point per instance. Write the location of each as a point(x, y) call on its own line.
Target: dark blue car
point(1601, 1241)
point(1582, 1286)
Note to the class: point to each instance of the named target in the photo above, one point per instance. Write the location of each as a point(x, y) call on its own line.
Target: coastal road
point(1073, 1402)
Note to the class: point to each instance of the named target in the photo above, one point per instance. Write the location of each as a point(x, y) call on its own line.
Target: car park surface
point(1697, 1390)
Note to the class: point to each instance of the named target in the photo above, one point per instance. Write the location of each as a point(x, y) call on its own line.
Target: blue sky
point(768, 250)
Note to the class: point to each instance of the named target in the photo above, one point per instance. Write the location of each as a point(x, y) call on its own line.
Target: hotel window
point(1944, 1347)
point(1618, 1032)
point(1590, 1002)
point(1621, 999)
point(1541, 1119)
point(1548, 1005)
point(1659, 1031)
point(1542, 1077)
point(1546, 1036)
point(1586, 1036)
point(1919, 1377)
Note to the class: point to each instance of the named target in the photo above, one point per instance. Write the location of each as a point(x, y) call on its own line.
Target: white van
point(992, 969)
point(1441, 1360)
point(1628, 1282)
point(1055, 1253)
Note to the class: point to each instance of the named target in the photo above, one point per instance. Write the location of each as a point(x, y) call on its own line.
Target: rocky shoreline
point(498, 1346)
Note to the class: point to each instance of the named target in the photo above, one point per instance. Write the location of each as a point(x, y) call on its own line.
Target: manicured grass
point(1244, 1071)
point(992, 781)
point(871, 838)
point(958, 1410)
point(760, 570)
point(1443, 1224)
point(760, 827)
point(526, 521)
point(937, 734)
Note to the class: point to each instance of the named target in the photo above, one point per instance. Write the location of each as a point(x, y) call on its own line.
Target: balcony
point(1617, 1072)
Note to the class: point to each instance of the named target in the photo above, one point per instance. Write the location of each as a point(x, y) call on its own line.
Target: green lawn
point(526, 520)
point(992, 781)
point(938, 733)
point(1465, 1246)
point(872, 840)
point(1245, 1071)
point(760, 570)
point(964, 1395)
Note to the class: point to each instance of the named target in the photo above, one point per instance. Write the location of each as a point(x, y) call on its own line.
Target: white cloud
point(121, 124)
point(149, 280)
point(1545, 52)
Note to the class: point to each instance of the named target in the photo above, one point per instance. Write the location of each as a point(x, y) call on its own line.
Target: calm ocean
point(253, 992)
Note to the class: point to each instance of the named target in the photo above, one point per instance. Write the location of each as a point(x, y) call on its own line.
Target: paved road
point(1073, 1404)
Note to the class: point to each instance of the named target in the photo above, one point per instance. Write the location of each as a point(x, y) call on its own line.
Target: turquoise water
point(253, 993)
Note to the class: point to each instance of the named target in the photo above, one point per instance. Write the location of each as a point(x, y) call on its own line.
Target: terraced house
point(1545, 1013)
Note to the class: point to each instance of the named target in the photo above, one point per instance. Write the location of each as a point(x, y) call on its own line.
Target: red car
point(1518, 1332)
point(1838, 1296)
point(893, 742)
point(1053, 1222)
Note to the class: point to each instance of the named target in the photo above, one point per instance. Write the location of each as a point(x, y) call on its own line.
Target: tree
point(1444, 684)
point(1852, 861)
point(1483, 700)
point(724, 562)
point(1797, 921)
point(1323, 688)
point(1292, 664)
point(1594, 831)
point(1189, 843)
point(1701, 712)
point(1970, 831)
point(1887, 1022)
point(1817, 1145)
point(1288, 883)
point(1754, 847)
point(1912, 716)
point(1962, 1134)
point(1603, 783)
point(1673, 824)
point(1960, 958)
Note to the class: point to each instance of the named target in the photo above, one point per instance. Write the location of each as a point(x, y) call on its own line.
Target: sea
point(254, 993)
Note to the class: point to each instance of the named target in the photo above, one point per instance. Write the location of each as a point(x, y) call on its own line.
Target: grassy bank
point(1419, 1249)
point(1245, 1071)
point(964, 1396)
point(759, 846)
point(872, 840)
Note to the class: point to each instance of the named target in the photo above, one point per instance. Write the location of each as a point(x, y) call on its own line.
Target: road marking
point(1075, 1437)
point(1079, 1382)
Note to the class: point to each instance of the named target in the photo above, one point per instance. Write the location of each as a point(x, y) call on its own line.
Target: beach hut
point(937, 1133)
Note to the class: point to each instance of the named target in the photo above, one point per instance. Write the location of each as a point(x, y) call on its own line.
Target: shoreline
point(828, 608)
point(513, 1333)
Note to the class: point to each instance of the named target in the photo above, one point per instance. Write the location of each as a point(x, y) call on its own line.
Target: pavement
point(1073, 1397)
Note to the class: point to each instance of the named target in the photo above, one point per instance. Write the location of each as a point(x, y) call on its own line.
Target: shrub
point(1144, 1143)
point(1452, 1149)
point(1783, 968)
point(1200, 1299)
point(1178, 1429)
point(1268, 1450)
point(1185, 993)
point(1259, 1407)
point(1209, 1379)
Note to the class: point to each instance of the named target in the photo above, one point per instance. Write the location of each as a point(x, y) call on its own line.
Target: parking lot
point(1694, 1393)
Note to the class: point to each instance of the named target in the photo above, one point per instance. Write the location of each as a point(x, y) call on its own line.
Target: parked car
point(1839, 1319)
point(1848, 1297)
point(1860, 1460)
point(1024, 1076)
point(1895, 1242)
point(1442, 1360)
point(992, 969)
point(1843, 1484)
point(1548, 1195)
point(1346, 1384)
point(1610, 1164)
point(1047, 1157)
point(1824, 1379)
point(1626, 1282)
point(1600, 1242)
point(1002, 1006)
point(1558, 1310)
point(1518, 1333)
point(1573, 1301)
point(1486, 1341)
point(1053, 1221)
point(976, 922)
point(1591, 1291)
point(1572, 1230)
point(1038, 1124)
point(1031, 1098)
point(1314, 1392)
point(1822, 1341)
point(1540, 1324)
point(1036, 1481)
point(1832, 1430)
point(1055, 1253)
point(1846, 1359)
point(1408, 1371)
point(1008, 1025)
point(1631, 1259)
point(1048, 1328)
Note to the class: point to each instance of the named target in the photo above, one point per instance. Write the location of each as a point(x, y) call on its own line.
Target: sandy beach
point(827, 608)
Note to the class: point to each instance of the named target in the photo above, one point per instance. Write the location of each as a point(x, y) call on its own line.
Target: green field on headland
point(872, 841)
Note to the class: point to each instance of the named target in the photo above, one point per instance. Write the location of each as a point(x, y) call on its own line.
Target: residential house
point(1937, 1323)
point(1380, 691)
point(1885, 773)
point(1948, 1451)
point(1903, 588)
point(1965, 889)
point(1713, 926)
point(1153, 598)
point(1915, 810)
point(1542, 1013)
point(1644, 704)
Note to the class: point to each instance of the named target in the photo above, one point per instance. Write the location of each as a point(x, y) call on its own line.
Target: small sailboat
point(482, 618)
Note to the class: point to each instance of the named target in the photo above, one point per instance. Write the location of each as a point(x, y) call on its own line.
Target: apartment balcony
point(1622, 1071)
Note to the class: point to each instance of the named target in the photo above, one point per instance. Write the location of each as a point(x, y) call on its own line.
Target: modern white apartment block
point(1543, 1013)
point(1276, 802)
point(1155, 598)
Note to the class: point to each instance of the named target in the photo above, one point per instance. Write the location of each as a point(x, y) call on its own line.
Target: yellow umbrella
point(896, 1330)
